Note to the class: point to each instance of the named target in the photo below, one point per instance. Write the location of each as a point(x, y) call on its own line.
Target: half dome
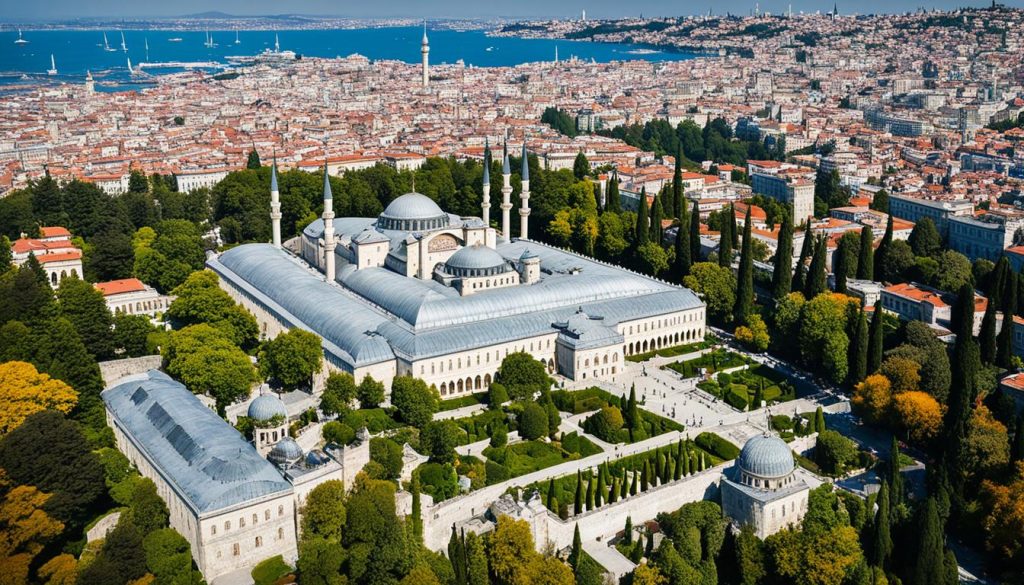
point(766, 457)
point(412, 212)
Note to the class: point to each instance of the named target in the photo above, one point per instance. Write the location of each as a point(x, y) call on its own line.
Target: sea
point(75, 52)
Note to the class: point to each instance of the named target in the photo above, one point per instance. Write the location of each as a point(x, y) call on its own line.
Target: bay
point(79, 51)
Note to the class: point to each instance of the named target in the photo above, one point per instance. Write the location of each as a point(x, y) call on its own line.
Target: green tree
point(339, 393)
point(695, 248)
point(253, 162)
point(169, 558)
point(866, 258)
point(652, 258)
point(581, 166)
point(292, 358)
point(816, 282)
point(954, 271)
point(881, 538)
point(613, 201)
point(522, 375)
point(883, 264)
point(320, 562)
point(206, 361)
point(927, 564)
point(745, 286)
point(657, 214)
point(643, 224)
point(834, 452)
point(578, 500)
point(750, 561)
point(577, 549)
point(717, 287)
point(678, 197)
point(859, 355)
point(146, 510)
point(782, 275)
point(683, 261)
point(201, 300)
point(1004, 341)
point(323, 514)
point(415, 401)
point(987, 335)
point(799, 282)
point(876, 342)
point(83, 305)
point(131, 334)
point(725, 238)
point(924, 238)
point(439, 439)
point(533, 421)
point(370, 392)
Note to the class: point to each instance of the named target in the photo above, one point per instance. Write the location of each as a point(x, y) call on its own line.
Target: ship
point(268, 56)
point(237, 41)
point(174, 40)
point(20, 41)
point(53, 66)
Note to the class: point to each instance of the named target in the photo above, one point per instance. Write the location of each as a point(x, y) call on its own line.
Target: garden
point(675, 350)
point(574, 494)
point(750, 387)
point(713, 361)
point(618, 419)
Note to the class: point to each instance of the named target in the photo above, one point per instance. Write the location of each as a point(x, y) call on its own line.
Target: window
point(280, 510)
point(280, 533)
point(241, 522)
point(259, 541)
point(213, 530)
point(266, 514)
point(227, 525)
point(255, 519)
point(235, 549)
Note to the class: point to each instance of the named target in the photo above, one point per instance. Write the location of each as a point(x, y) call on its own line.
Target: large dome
point(412, 212)
point(476, 260)
point(266, 407)
point(766, 457)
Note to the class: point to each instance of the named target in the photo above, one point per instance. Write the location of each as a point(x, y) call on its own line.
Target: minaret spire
point(275, 205)
point(506, 193)
point(524, 196)
point(328, 217)
point(485, 203)
point(425, 51)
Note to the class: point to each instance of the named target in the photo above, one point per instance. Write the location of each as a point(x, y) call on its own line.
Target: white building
point(761, 489)
point(54, 251)
point(189, 181)
point(132, 296)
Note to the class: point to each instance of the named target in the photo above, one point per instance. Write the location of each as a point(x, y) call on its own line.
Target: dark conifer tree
point(613, 202)
point(806, 250)
point(782, 275)
point(876, 341)
point(816, 279)
point(578, 502)
point(643, 225)
point(695, 250)
point(577, 549)
point(987, 335)
point(551, 496)
point(965, 364)
point(682, 262)
point(745, 282)
point(678, 200)
point(866, 258)
point(881, 545)
point(1017, 447)
point(725, 239)
point(859, 355)
point(1004, 341)
point(927, 566)
point(883, 268)
point(657, 214)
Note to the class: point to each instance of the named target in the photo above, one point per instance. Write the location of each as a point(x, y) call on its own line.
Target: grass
point(739, 388)
point(675, 350)
point(268, 572)
point(481, 425)
point(529, 456)
point(594, 398)
point(714, 361)
point(717, 446)
point(463, 401)
point(374, 419)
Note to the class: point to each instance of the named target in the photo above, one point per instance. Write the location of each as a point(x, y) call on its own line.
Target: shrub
point(533, 422)
point(438, 480)
point(338, 433)
point(499, 437)
point(834, 452)
point(717, 446)
point(605, 424)
point(270, 570)
point(496, 472)
point(497, 395)
point(735, 400)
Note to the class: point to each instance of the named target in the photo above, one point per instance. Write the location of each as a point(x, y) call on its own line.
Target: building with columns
point(418, 291)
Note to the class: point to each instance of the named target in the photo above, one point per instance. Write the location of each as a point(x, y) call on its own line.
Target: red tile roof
point(124, 285)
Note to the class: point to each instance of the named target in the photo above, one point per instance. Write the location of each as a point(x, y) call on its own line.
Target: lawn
point(481, 425)
point(675, 350)
point(713, 361)
point(740, 388)
point(529, 456)
point(463, 401)
point(594, 398)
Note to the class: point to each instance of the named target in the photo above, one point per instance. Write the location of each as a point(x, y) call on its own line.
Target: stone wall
point(114, 370)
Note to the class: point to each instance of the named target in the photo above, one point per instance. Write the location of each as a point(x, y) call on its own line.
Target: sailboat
point(209, 44)
point(124, 47)
point(106, 45)
point(20, 40)
point(237, 41)
point(130, 70)
point(146, 40)
point(53, 66)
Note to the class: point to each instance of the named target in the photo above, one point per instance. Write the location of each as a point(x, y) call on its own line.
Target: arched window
point(227, 525)
point(235, 549)
point(259, 541)
point(280, 533)
point(280, 510)
point(266, 514)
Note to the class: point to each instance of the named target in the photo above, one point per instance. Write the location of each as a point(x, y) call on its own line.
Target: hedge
point(268, 571)
point(717, 446)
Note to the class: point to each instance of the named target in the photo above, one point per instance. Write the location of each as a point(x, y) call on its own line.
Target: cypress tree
point(859, 363)
point(734, 230)
point(882, 265)
point(613, 493)
point(1004, 342)
point(819, 420)
point(624, 485)
point(613, 202)
point(683, 262)
point(577, 549)
point(725, 240)
point(816, 281)
point(866, 259)
point(455, 556)
point(417, 514)
point(677, 469)
point(695, 234)
point(678, 200)
point(667, 203)
point(657, 214)
point(840, 265)
point(632, 485)
point(628, 537)
point(997, 281)
point(668, 472)
point(987, 335)
point(876, 340)
point(881, 547)
point(929, 560)
point(601, 491)
point(577, 507)
point(644, 481)
point(782, 275)
point(965, 363)
point(551, 496)
point(643, 225)
point(745, 283)
point(800, 277)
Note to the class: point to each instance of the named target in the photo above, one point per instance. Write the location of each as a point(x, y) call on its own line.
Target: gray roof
point(388, 314)
point(207, 462)
point(581, 331)
point(266, 407)
point(477, 256)
point(761, 494)
point(413, 206)
point(273, 176)
point(766, 456)
point(327, 184)
point(285, 451)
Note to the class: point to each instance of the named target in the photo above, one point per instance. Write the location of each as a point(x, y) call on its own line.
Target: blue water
point(79, 51)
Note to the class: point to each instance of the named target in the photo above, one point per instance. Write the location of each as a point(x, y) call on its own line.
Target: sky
point(12, 10)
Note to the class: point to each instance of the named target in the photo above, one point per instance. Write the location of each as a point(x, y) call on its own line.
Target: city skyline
point(446, 9)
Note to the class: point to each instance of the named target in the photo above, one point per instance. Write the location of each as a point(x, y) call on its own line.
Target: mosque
point(422, 292)
point(762, 489)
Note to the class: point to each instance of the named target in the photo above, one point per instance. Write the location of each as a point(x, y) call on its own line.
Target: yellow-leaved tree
point(24, 392)
point(919, 413)
point(872, 398)
point(1004, 525)
point(24, 529)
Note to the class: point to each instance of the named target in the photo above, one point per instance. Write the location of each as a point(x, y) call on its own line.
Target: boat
point(20, 41)
point(53, 66)
point(174, 40)
point(209, 44)
point(106, 45)
point(146, 41)
point(124, 47)
point(237, 41)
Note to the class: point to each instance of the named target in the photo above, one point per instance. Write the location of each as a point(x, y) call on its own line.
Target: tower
point(425, 51)
point(524, 197)
point(328, 216)
point(506, 193)
point(275, 206)
point(90, 84)
point(485, 203)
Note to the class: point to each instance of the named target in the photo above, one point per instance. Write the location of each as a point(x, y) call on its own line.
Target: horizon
point(69, 10)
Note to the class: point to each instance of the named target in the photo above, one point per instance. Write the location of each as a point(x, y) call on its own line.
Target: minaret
point(425, 51)
point(90, 84)
point(328, 227)
point(506, 193)
point(275, 206)
point(524, 197)
point(485, 204)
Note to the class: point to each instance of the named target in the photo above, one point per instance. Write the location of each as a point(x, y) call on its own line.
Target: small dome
point(476, 260)
point(285, 451)
point(412, 212)
point(766, 457)
point(266, 407)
